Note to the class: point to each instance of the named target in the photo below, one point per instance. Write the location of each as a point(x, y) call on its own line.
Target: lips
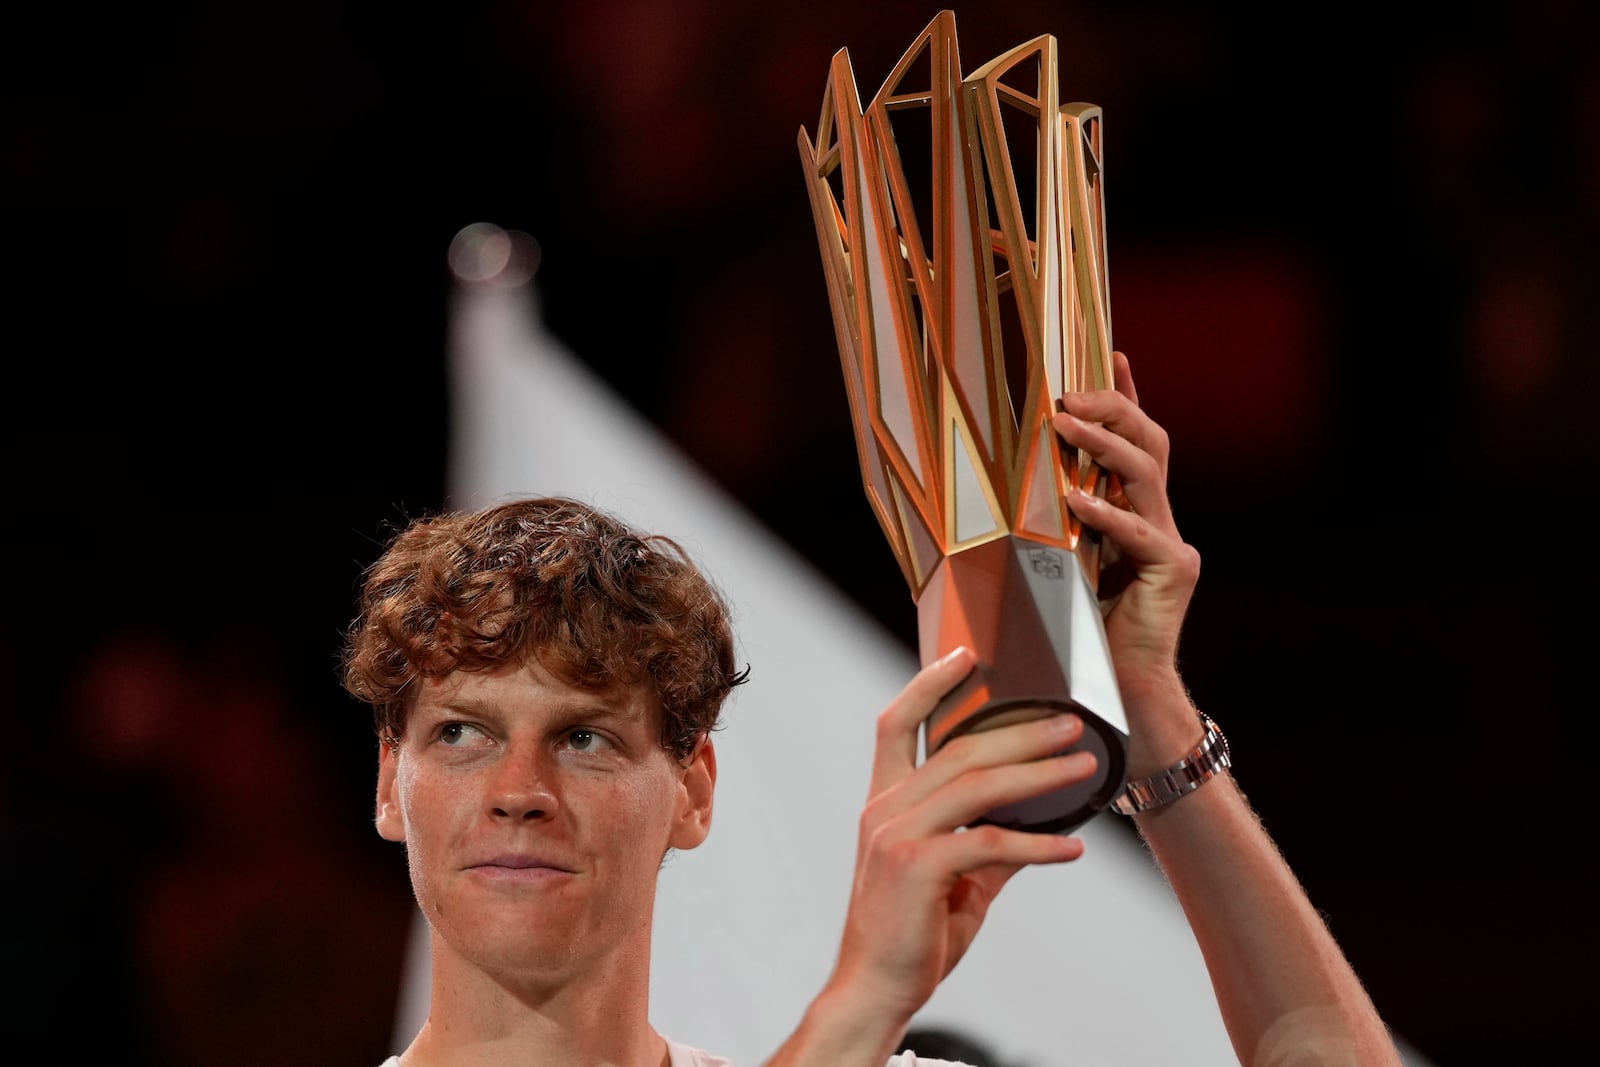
point(519, 862)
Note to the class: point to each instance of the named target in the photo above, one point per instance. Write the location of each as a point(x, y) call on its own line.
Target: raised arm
point(1287, 993)
point(922, 883)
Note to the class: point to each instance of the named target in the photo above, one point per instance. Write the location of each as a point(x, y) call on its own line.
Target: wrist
point(1205, 760)
point(1163, 725)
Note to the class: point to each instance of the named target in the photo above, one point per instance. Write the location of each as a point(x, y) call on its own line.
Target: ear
point(698, 785)
point(391, 826)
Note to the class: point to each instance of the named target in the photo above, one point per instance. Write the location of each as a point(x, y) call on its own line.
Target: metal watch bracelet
point(1204, 762)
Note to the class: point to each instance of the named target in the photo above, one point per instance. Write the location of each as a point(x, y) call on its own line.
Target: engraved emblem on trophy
point(962, 231)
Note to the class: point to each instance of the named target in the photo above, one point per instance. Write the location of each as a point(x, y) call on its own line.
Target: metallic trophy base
point(1029, 613)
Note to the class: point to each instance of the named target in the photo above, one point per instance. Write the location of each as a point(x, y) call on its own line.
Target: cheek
point(431, 806)
point(646, 806)
point(431, 811)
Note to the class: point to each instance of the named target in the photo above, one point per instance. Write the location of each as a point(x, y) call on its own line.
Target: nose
point(524, 787)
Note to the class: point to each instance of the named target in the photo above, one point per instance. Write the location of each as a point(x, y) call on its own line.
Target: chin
point(519, 954)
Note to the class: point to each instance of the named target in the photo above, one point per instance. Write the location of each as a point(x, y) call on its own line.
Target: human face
point(535, 816)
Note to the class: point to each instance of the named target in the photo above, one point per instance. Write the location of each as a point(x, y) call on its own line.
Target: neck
point(597, 1016)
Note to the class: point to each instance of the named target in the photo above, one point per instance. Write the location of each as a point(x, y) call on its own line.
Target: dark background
point(1352, 260)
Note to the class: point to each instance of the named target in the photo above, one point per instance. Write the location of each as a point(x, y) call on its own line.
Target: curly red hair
point(598, 605)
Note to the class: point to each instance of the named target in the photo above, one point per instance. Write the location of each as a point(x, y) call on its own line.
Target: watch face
point(1222, 739)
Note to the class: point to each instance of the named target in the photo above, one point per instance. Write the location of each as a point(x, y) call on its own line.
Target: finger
point(969, 901)
point(1120, 413)
point(1122, 417)
point(1141, 475)
point(1002, 747)
point(996, 846)
point(1123, 375)
point(1137, 538)
point(993, 878)
point(965, 799)
point(898, 725)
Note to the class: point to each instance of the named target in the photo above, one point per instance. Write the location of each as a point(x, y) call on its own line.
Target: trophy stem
point(1029, 613)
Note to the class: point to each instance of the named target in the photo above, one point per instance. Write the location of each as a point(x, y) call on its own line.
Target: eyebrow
point(593, 710)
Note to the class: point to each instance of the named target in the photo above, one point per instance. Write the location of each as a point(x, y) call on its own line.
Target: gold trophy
point(962, 230)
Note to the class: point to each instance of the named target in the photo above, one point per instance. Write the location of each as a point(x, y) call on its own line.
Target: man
point(546, 683)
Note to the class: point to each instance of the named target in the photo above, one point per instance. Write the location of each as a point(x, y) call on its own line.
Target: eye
point(459, 734)
point(584, 739)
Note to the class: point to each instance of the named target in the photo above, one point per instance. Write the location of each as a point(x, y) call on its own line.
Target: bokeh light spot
point(485, 254)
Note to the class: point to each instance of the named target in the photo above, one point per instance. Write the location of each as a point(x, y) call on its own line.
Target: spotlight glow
point(485, 254)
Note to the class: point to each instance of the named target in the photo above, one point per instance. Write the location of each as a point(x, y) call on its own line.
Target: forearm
point(1288, 994)
point(836, 1032)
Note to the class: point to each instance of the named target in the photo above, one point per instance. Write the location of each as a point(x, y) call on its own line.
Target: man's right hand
point(924, 881)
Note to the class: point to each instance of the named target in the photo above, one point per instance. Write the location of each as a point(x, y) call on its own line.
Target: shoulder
point(911, 1059)
point(392, 1061)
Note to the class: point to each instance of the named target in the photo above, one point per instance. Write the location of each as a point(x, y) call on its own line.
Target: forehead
point(527, 688)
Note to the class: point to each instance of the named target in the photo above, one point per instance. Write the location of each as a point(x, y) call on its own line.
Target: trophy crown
point(962, 231)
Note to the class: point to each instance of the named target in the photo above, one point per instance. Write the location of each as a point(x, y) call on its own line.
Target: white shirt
point(680, 1055)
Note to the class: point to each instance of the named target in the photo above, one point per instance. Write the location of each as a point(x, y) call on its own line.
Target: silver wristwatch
point(1207, 760)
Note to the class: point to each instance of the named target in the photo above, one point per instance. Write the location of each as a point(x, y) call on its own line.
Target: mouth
point(512, 866)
